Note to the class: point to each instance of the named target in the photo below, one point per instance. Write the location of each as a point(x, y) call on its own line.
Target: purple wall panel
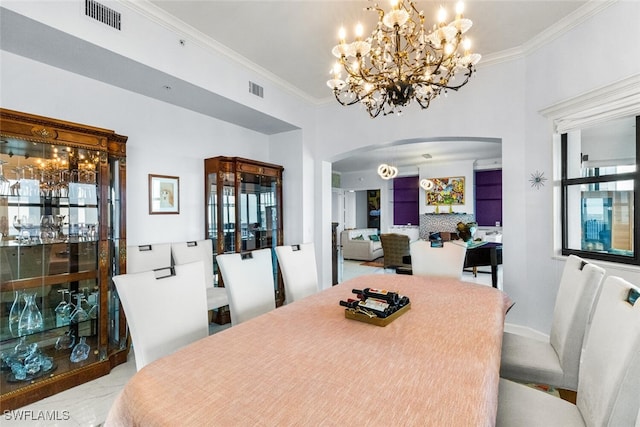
point(405, 200)
point(488, 207)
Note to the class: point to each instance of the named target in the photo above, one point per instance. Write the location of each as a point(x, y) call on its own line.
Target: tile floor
point(88, 404)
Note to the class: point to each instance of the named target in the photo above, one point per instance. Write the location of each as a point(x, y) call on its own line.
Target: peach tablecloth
point(306, 364)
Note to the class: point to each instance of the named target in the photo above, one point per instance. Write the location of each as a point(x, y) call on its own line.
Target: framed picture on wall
point(164, 194)
point(446, 191)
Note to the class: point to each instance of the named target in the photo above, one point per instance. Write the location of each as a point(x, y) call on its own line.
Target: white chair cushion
point(299, 271)
point(164, 314)
point(201, 250)
point(446, 261)
point(609, 384)
point(556, 361)
point(216, 298)
point(249, 284)
point(521, 406)
point(148, 257)
point(579, 286)
point(528, 359)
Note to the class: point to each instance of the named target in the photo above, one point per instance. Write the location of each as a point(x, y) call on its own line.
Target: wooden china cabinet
point(243, 200)
point(62, 229)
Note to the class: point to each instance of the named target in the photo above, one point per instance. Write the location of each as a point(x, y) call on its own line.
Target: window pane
point(600, 217)
point(605, 149)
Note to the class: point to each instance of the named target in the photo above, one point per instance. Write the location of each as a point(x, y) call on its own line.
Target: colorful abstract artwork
point(446, 191)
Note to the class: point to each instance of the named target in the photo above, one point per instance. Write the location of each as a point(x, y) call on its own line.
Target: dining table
point(306, 363)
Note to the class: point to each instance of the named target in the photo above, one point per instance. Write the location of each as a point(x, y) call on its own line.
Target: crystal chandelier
point(402, 61)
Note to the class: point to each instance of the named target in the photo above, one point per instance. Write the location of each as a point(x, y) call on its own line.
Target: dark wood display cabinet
point(62, 229)
point(243, 200)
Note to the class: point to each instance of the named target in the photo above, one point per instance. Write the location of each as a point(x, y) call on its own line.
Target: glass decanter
point(65, 341)
point(31, 318)
point(15, 312)
point(81, 351)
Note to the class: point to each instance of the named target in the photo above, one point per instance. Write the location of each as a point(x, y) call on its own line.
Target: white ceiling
point(292, 39)
point(290, 42)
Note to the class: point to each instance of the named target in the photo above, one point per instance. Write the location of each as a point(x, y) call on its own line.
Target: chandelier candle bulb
point(442, 16)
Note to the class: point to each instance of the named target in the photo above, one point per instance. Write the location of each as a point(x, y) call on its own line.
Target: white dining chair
point(445, 261)
point(248, 279)
point(166, 309)
point(201, 250)
point(556, 361)
point(608, 380)
point(148, 257)
point(299, 271)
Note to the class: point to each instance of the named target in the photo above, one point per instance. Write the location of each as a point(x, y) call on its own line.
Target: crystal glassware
point(15, 312)
point(79, 314)
point(81, 351)
point(65, 341)
point(31, 318)
point(5, 186)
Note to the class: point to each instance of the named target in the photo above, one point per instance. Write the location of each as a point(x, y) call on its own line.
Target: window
point(599, 176)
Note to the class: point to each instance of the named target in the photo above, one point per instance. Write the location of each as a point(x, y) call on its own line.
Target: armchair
point(395, 246)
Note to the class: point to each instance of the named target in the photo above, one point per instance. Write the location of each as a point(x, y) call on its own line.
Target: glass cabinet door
point(244, 207)
point(60, 218)
point(49, 260)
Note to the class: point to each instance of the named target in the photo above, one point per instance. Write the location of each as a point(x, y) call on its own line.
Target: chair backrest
point(609, 383)
point(446, 261)
point(579, 287)
point(165, 313)
point(148, 257)
point(248, 278)
point(395, 246)
point(299, 271)
point(200, 250)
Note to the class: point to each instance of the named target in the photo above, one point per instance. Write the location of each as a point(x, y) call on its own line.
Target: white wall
point(163, 139)
point(362, 211)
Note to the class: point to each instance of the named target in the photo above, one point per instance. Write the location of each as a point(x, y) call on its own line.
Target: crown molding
point(171, 23)
point(612, 101)
point(168, 21)
point(566, 24)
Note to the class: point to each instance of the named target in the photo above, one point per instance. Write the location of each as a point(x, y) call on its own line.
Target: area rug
point(378, 262)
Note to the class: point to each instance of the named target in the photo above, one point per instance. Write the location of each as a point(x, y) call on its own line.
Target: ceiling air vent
point(256, 89)
point(102, 13)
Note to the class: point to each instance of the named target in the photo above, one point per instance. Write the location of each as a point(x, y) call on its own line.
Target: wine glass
point(79, 314)
point(63, 309)
point(47, 228)
point(19, 223)
point(4, 182)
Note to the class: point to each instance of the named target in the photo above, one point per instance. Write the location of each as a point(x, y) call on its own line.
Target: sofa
point(361, 244)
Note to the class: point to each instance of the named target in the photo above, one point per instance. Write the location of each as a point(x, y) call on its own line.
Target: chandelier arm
point(336, 92)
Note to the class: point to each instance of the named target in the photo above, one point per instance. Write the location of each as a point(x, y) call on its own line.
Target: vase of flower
point(466, 231)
